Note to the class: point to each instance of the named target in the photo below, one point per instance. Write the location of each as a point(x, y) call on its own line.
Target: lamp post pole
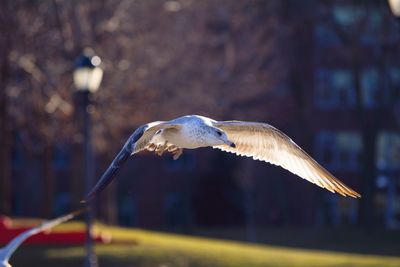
point(91, 259)
point(87, 79)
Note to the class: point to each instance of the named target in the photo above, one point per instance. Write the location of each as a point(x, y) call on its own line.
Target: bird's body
point(260, 141)
point(192, 133)
point(7, 251)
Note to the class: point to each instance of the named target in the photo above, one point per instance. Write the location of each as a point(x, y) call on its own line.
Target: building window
point(365, 22)
point(17, 156)
point(326, 36)
point(373, 27)
point(369, 86)
point(393, 86)
point(347, 15)
point(60, 158)
point(388, 151)
point(395, 78)
point(338, 150)
point(334, 88)
point(127, 211)
point(361, 20)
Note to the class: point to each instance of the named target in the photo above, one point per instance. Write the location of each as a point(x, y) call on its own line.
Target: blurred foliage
point(162, 59)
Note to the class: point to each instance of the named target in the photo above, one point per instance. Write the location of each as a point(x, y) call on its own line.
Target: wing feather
point(137, 142)
point(263, 142)
point(17, 241)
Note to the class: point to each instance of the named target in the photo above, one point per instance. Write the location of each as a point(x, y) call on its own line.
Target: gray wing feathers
point(8, 250)
point(137, 142)
point(266, 143)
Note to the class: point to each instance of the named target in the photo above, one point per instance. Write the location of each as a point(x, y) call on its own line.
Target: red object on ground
point(7, 233)
point(5, 222)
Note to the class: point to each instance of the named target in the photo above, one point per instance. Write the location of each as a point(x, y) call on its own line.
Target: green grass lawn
point(139, 248)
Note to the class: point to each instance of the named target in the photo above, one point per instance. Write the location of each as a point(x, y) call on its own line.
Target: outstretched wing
point(8, 250)
point(266, 143)
point(135, 143)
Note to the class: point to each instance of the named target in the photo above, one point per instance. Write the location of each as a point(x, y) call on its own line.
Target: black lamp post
point(87, 79)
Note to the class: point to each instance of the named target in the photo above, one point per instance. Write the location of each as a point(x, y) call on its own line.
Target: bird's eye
point(219, 133)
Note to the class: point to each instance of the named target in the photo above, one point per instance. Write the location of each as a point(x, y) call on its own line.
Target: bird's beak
point(109, 174)
point(231, 144)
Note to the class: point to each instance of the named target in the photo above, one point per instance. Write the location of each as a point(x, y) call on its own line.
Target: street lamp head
point(395, 7)
point(88, 73)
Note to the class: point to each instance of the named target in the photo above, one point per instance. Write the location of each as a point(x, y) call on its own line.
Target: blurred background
point(325, 72)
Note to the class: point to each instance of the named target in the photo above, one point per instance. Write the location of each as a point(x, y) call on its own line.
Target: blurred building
point(348, 63)
point(339, 101)
point(351, 87)
point(356, 75)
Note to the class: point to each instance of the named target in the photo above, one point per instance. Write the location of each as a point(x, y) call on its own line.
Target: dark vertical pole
point(91, 258)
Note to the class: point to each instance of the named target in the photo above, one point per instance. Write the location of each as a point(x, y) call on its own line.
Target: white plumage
point(259, 141)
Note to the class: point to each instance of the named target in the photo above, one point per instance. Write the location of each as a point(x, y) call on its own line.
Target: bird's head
point(218, 137)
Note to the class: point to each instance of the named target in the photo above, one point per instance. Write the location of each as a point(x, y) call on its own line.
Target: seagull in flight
point(259, 141)
point(8, 250)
